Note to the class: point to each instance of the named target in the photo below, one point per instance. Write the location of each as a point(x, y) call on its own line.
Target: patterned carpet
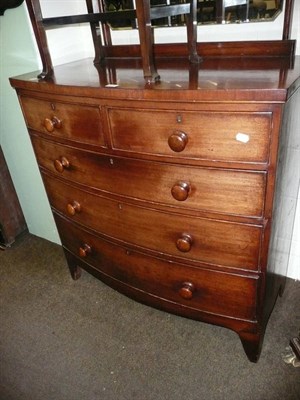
point(66, 340)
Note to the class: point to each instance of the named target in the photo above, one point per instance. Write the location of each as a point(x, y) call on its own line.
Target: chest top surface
point(233, 79)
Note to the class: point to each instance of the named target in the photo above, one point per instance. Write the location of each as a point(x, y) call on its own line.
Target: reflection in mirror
point(208, 11)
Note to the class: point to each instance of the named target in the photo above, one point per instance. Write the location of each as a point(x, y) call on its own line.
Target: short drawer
point(223, 191)
point(76, 122)
point(217, 136)
point(191, 238)
point(209, 291)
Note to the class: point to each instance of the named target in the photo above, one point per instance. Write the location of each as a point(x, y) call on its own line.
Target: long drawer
point(224, 191)
point(225, 136)
point(215, 292)
point(80, 123)
point(192, 238)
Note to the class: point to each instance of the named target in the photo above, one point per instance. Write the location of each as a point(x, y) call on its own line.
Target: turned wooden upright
point(144, 17)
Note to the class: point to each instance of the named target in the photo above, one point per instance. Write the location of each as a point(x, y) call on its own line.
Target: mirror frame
point(216, 12)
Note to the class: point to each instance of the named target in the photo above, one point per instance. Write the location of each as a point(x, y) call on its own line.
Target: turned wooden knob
point(51, 124)
point(61, 164)
point(177, 141)
point(187, 290)
point(84, 250)
point(180, 191)
point(184, 243)
point(73, 208)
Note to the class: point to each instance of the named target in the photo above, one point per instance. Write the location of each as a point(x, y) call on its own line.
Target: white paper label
point(242, 137)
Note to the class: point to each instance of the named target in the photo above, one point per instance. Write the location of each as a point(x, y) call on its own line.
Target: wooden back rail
point(143, 13)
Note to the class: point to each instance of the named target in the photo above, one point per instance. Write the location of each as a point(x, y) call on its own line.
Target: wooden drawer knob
point(184, 243)
point(177, 141)
point(180, 191)
point(84, 250)
point(73, 208)
point(51, 124)
point(61, 164)
point(187, 290)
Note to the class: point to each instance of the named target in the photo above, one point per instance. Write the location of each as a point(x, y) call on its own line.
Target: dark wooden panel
point(12, 221)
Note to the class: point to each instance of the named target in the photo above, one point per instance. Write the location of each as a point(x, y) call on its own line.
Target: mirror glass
point(208, 11)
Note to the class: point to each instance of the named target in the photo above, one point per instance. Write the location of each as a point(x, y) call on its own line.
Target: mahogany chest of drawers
point(174, 196)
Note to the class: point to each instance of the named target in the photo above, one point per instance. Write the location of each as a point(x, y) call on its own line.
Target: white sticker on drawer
point(242, 137)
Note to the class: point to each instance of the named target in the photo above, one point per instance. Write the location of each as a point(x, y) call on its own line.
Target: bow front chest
point(173, 194)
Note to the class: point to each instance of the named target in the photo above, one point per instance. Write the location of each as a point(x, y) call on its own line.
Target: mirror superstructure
point(145, 15)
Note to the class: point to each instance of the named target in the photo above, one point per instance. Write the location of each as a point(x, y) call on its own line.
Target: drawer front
point(235, 137)
point(62, 120)
point(209, 291)
point(184, 237)
point(215, 190)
